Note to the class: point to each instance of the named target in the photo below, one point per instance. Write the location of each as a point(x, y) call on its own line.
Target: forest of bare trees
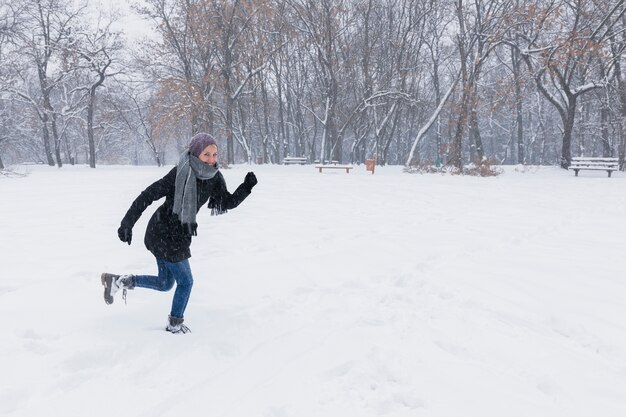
point(414, 82)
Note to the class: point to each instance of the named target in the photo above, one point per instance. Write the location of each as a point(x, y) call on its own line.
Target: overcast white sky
point(134, 27)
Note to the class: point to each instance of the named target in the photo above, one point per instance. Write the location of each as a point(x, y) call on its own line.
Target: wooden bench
point(594, 164)
point(288, 160)
point(335, 166)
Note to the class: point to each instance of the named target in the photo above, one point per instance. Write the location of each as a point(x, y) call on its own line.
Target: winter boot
point(113, 283)
point(176, 326)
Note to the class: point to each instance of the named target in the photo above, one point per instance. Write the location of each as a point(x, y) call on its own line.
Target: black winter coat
point(165, 236)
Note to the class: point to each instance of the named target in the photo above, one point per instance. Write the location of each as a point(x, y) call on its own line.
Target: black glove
point(250, 181)
point(125, 234)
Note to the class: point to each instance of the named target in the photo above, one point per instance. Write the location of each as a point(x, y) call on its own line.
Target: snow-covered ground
point(326, 294)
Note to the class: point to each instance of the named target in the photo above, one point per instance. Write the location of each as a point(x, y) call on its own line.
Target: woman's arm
point(222, 200)
point(155, 191)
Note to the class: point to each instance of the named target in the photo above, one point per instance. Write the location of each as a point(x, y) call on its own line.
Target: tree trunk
point(90, 137)
point(57, 142)
point(432, 119)
point(621, 90)
point(456, 154)
point(46, 140)
point(621, 150)
point(568, 127)
point(228, 92)
point(266, 117)
point(519, 119)
point(283, 133)
point(437, 88)
point(335, 143)
point(230, 149)
point(456, 151)
point(243, 141)
point(476, 140)
point(607, 149)
point(338, 145)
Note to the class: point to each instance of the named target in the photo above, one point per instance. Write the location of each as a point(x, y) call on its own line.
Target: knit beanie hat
point(199, 142)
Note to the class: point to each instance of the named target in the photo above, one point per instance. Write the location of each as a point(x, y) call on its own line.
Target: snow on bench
point(334, 166)
point(288, 160)
point(594, 164)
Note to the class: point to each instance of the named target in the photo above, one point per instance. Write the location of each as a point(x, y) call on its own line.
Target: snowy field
point(322, 295)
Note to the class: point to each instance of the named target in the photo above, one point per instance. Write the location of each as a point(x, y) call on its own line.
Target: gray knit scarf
point(188, 170)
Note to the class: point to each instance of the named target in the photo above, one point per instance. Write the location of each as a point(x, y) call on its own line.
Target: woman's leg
point(163, 282)
point(184, 282)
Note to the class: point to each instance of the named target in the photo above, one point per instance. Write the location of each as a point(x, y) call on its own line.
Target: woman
point(187, 187)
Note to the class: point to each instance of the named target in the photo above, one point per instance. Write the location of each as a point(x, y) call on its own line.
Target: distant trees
point(563, 45)
point(51, 53)
point(42, 58)
point(412, 81)
point(98, 50)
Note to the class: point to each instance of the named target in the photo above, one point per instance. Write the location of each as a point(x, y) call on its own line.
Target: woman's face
point(209, 155)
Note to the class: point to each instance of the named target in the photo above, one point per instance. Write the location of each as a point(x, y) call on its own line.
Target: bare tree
point(46, 37)
point(480, 32)
point(560, 42)
point(617, 46)
point(322, 23)
point(97, 49)
point(183, 60)
point(9, 27)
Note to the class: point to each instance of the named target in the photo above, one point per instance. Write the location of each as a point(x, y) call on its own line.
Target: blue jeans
point(170, 272)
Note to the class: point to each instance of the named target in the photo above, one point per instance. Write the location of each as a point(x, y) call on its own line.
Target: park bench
point(334, 166)
point(594, 164)
point(288, 160)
